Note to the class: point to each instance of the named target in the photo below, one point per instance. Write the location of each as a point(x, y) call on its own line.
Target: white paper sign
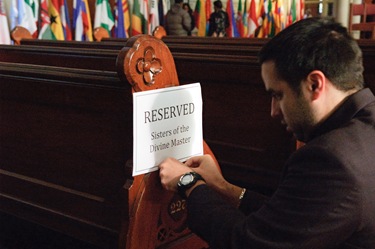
point(167, 123)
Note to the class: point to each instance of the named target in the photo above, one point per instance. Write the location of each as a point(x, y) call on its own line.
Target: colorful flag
point(200, 17)
point(208, 10)
point(145, 12)
point(292, 13)
point(232, 30)
point(245, 16)
point(271, 22)
point(65, 20)
point(252, 20)
point(302, 9)
point(139, 20)
point(45, 31)
point(55, 20)
point(262, 18)
point(103, 16)
point(122, 19)
point(154, 15)
point(4, 28)
point(267, 21)
point(279, 17)
point(239, 19)
point(82, 21)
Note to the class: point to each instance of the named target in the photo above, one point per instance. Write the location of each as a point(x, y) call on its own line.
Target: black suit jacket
point(326, 198)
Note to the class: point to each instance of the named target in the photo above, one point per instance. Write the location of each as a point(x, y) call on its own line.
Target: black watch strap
point(184, 185)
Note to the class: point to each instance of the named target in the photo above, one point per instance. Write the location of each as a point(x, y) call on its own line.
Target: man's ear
point(315, 83)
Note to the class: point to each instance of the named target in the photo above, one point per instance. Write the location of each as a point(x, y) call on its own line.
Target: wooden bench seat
point(66, 154)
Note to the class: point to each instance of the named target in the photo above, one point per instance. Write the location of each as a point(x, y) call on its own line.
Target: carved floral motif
point(149, 66)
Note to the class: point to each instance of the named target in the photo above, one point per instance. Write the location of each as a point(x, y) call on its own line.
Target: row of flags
point(50, 19)
point(254, 18)
point(266, 18)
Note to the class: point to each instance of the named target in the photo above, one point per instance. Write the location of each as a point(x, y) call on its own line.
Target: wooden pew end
point(159, 32)
point(100, 33)
point(19, 33)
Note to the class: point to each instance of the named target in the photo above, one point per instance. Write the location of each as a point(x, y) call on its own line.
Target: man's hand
point(170, 172)
point(207, 168)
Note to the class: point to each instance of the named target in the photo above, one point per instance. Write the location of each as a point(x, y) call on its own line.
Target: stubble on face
point(291, 107)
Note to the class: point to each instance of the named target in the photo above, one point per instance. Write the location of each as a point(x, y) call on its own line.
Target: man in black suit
point(326, 197)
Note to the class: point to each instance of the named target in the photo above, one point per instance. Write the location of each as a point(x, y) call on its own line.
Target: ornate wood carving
point(157, 217)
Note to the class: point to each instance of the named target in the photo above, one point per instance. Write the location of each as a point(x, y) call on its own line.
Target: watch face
point(186, 179)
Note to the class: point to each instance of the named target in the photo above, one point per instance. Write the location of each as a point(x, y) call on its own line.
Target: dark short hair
point(218, 4)
point(316, 44)
point(178, 1)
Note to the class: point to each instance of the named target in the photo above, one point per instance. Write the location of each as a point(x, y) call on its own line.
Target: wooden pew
point(66, 154)
point(96, 59)
point(224, 76)
point(239, 50)
point(229, 81)
point(228, 41)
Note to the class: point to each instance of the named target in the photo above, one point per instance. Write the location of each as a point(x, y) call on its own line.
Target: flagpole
point(39, 19)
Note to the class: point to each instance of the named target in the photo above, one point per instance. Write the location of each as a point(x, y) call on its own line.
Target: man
point(326, 197)
point(178, 21)
point(218, 21)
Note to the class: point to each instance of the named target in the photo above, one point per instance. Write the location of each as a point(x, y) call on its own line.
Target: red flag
point(252, 19)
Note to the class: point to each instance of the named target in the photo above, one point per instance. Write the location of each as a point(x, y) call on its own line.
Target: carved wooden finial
point(159, 32)
point(147, 64)
point(19, 33)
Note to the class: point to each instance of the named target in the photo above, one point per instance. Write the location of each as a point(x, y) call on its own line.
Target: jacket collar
point(347, 111)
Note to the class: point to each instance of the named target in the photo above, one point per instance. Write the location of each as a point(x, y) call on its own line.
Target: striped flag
point(103, 16)
point(292, 13)
point(139, 20)
point(232, 30)
point(55, 20)
point(122, 19)
point(261, 15)
point(239, 19)
point(82, 21)
point(208, 9)
point(245, 19)
point(45, 31)
point(271, 12)
point(200, 17)
point(65, 20)
point(4, 28)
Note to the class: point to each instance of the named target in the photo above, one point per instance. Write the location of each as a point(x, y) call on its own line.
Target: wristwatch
point(187, 180)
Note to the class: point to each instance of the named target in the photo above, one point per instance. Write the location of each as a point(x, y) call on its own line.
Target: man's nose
point(275, 108)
